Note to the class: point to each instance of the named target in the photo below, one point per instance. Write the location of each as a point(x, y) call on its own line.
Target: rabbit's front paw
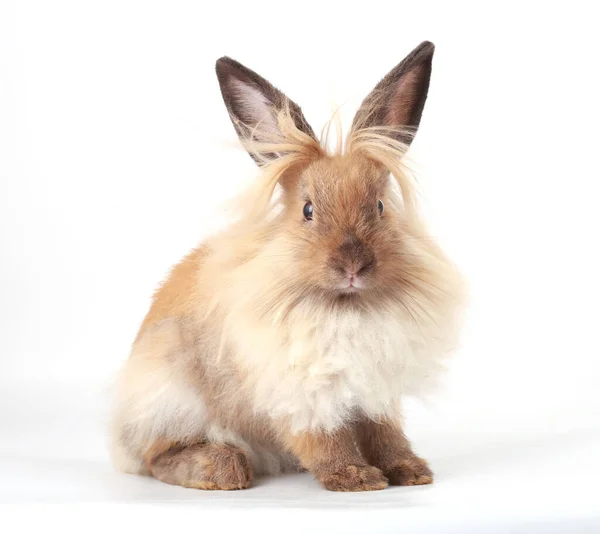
point(412, 471)
point(355, 478)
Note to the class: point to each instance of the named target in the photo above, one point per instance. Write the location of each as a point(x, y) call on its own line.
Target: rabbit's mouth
point(352, 284)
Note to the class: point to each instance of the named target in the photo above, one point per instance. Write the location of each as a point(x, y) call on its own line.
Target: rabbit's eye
point(308, 211)
point(380, 207)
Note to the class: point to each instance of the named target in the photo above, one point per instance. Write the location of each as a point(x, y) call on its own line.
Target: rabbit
point(287, 341)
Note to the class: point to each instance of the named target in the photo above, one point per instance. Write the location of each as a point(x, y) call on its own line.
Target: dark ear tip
point(224, 62)
point(227, 65)
point(425, 50)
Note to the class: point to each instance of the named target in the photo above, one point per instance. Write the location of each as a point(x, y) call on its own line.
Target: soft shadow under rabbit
point(288, 340)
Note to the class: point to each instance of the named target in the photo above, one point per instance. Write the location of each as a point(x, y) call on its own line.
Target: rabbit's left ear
point(397, 101)
point(253, 103)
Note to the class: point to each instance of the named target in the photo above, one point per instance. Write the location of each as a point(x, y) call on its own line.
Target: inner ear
point(408, 99)
point(253, 106)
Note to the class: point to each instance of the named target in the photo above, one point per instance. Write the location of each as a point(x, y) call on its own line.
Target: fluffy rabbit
point(288, 340)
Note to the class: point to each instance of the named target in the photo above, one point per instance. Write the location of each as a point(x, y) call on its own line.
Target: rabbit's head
point(345, 228)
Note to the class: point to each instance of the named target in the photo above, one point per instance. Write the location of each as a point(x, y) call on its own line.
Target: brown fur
point(335, 461)
point(384, 445)
point(174, 298)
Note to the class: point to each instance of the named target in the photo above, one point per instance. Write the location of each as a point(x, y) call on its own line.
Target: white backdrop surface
point(116, 155)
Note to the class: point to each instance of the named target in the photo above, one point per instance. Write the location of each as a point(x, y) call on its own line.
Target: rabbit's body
point(280, 344)
point(308, 370)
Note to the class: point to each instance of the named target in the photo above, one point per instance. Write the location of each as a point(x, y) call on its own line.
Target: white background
point(116, 155)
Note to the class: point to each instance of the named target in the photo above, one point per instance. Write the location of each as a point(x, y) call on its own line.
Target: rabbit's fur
point(287, 342)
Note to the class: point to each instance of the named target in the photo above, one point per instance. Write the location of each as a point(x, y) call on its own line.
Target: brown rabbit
point(288, 340)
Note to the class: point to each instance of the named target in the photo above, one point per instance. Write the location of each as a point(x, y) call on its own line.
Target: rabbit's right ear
point(253, 104)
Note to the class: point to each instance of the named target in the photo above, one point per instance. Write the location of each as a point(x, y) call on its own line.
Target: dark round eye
point(308, 211)
point(380, 207)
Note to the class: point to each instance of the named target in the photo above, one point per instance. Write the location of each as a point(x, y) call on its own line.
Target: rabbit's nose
point(353, 257)
point(359, 269)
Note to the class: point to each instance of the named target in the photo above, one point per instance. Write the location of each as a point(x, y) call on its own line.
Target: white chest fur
point(322, 368)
